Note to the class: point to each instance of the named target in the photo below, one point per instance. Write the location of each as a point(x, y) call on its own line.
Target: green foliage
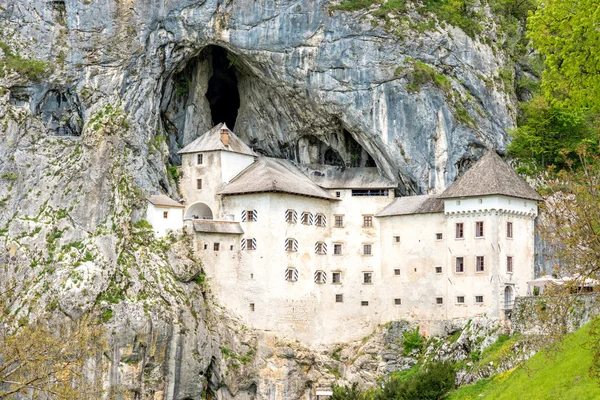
point(142, 224)
point(565, 376)
point(172, 170)
point(566, 33)
point(412, 340)
point(10, 176)
point(432, 383)
point(550, 135)
point(33, 70)
point(182, 84)
point(353, 5)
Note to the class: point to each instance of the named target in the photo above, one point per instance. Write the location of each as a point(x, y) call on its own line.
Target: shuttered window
point(249, 216)
point(291, 245)
point(321, 248)
point(291, 274)
point(248, 244)
point(320, 277)
point(291, 217)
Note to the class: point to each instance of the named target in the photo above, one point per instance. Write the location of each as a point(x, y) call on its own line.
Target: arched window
point(320, 277)
point(291, 217)
point(291, 245)
point(307, 218)
point(320, 248)
point(291, 274)
point(321, 220)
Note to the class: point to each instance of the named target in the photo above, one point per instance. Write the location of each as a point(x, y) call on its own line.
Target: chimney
point(225, 136)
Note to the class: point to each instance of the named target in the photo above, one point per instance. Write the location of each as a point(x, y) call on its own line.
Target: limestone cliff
point(96, 97)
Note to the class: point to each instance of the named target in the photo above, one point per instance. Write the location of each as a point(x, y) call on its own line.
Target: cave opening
point(222, 93)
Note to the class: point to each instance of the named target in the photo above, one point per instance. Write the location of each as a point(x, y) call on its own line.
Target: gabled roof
point(488, 176)
point(330, 177)
point(211, 141)
point(161, 200)
point(274, 175)
point(210, 226)
point(408, 205)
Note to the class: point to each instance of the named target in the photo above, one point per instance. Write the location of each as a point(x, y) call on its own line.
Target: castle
point(325, 255)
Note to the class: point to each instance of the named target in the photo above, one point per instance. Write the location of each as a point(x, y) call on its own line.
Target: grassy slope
point(563, 377)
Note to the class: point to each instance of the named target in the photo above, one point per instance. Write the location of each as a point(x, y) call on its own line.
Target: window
point(364, 303)
point(200, 159)
point(438, 270)
point(336, 277)
point(338, 194)
point(291, 274)
point(248, 244)
point(249, 216)
point(509, 230)
point(252, 307)
point(397, 272)
point(458, 202)
point(307, 218)
point(320, 277)
point(367, 277)
point(398, 302)
point(439, 236)
point(480, 201)
point(216, 246)
point(320, 248)
point(479, 229)
point(480, 264)
point(460, 299)
point(460, 265)
point(396, 239)
point(509, 264)
point(291, 216)
point(479, 299)
point(439, 300)
point(370, 192)
point(321, 220)
point(205, 246)
point(231, 247)
point(367, 221)
point(367, 250)
point(337, 249)
point(339, 298)
point(198, 184)
point(339, 221)
point(460, 232)
point(291, 245)
point(165, 214)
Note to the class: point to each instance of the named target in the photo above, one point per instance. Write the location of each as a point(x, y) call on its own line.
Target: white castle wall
point(160, 224)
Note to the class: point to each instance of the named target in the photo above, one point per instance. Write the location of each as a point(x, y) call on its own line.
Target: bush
point(142, 224)
point(412, 340)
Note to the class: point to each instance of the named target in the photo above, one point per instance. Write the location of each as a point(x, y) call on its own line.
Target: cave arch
point(198, 210)
point(222, 93)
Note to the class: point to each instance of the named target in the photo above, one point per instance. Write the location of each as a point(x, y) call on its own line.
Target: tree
point(550, 135)
point(567, 34)
point(38, 360)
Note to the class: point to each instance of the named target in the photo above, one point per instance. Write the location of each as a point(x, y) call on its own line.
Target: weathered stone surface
point(127, 81)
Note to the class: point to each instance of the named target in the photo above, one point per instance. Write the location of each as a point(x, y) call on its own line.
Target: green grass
point(543, 377)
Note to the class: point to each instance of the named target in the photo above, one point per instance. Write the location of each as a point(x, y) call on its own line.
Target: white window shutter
point(254, 216)
point(244, 216)
point(243, 244)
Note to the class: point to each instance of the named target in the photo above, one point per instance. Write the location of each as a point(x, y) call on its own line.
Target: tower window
point(509, 264)
point(165, 214)
point(364, 303)
point(479, 299)
point(397, 302)
point(480, 264)
point(439, 236)
point(397, 272)
point(200, 159)
point(337, 249)
point(339, 221)
point(460, 265)
point(460, 232)
point(439, 300)
point(396, 239)
point(339, 298)
point(367, 250)
point(438, 270)
point(367, 277)
point(216, 246)
point(367, 221)
point(291, 274)
point(479, 229)
point(509, 230)
point(460, 299)
point(198, 184)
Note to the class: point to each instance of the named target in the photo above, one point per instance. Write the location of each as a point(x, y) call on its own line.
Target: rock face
point(128, 83)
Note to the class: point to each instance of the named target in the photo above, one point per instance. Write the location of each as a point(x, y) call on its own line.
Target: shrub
point(142, 224)
point(412, 340)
